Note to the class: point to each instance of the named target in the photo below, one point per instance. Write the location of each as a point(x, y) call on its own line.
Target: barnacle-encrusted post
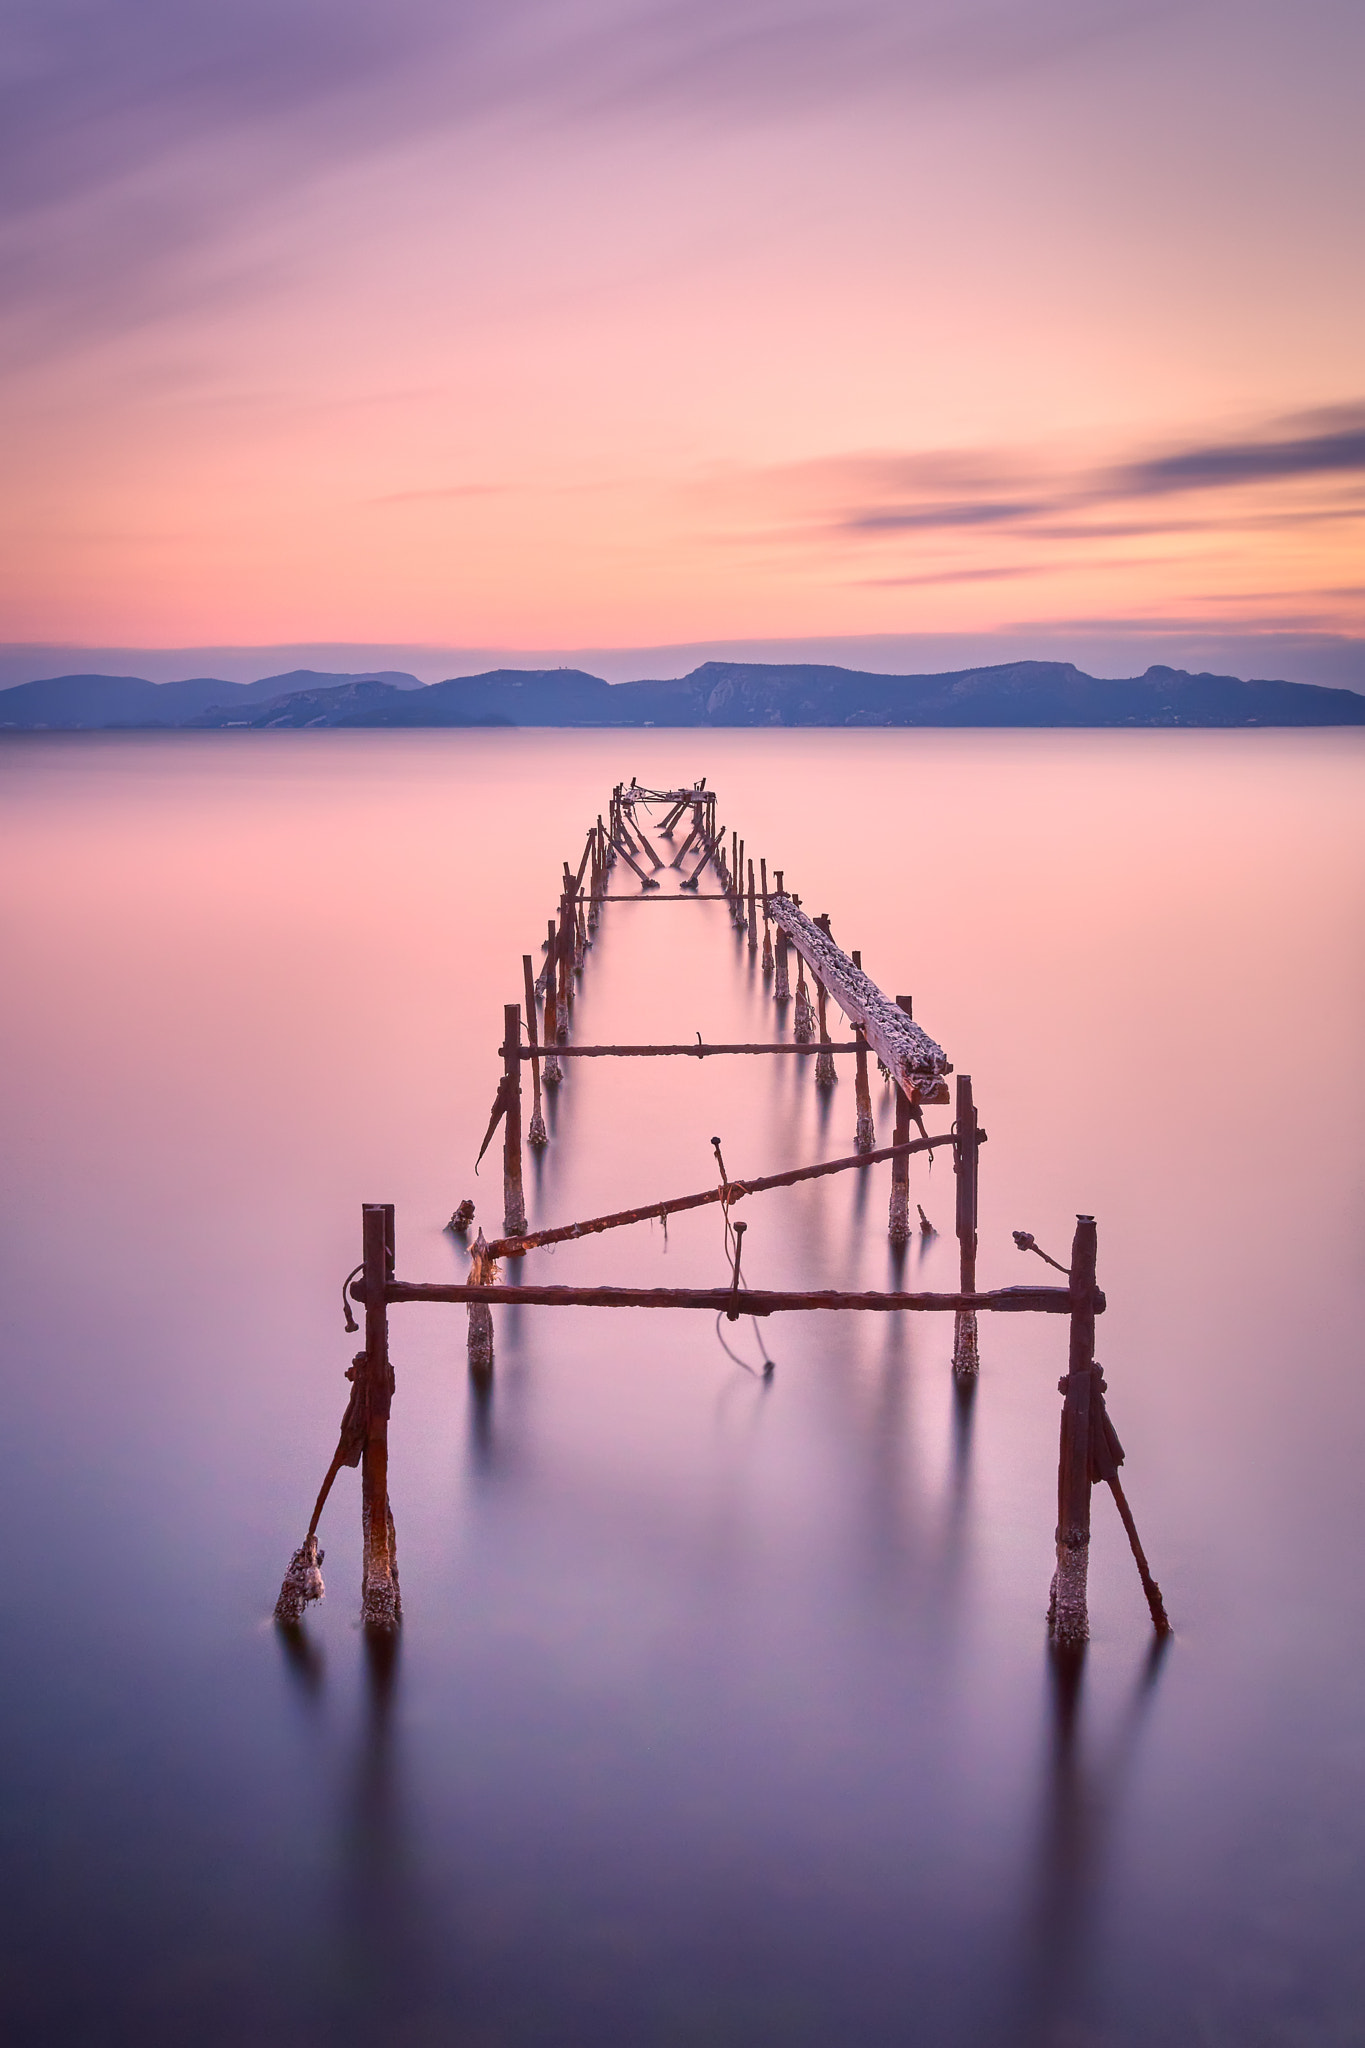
point(483, 1272)
point(302, 1583)
point(781, 985)
point(803, 1023)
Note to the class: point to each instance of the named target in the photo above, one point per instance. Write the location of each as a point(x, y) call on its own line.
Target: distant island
point(718, 694)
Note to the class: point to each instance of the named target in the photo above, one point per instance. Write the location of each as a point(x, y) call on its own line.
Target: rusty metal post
point(966, 1169)
point(513, 1194)
point(554, 1073)
point(782, 992)
point(898, 1223)
point(569, 901)
point(564, 954)
point(865, 1133)
point(825, 1075)
point(1068, 1614)
point(381, 1607)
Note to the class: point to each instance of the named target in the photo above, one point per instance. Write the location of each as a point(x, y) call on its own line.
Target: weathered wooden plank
point(914, 1059)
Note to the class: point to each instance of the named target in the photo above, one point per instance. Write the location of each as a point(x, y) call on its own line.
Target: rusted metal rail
point(747, 1301)
point(693, 1052)
point(728, 1193)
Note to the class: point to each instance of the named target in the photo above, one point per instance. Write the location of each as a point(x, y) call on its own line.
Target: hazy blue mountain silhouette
point(96, 702)
point(719, 693)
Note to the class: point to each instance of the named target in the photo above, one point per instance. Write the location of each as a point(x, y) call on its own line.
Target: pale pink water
point(723, 1712)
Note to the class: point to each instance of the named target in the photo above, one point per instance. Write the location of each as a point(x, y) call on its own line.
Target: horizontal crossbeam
point(696, 1052)
point(747, 1302)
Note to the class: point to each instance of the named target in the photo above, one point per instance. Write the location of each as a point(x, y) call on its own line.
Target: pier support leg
point(865, 1134)
point(513, 1193)
point(564, 954)
point(536, 1134)
point(554, 1072)
point(381, 1607)
point(825, 1075)
point(483, 1272)
point(898, 1225)
point(782, 990)
point(803, 1023)
point(1068, 1614)
point(966, 1165)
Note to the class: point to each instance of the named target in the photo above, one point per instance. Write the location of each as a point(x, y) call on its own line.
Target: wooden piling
point(825, 1075)
point(536, 1134)
point(693, 835)
point(865, 1132)
point(781, 984)
point(898, 1221)
point(753, 912)
point(767, 922)
point(803, 1023)
point(564, 953)
point(513, 1194)
point(966, 1169)
point(381, 1606)
point(554, 1073)
point(483, 1272)
point(1068, 1615)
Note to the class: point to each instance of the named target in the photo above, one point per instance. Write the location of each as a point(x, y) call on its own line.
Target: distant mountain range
point(719, 693)
point(106, 703)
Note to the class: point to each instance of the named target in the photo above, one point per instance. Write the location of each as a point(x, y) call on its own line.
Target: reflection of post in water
point(1079, 1804)
point(481, 1443)
point(385, 1953)
point(964, 1411)
point(304, 1661)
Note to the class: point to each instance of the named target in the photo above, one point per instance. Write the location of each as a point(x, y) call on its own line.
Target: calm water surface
point(723, 1711)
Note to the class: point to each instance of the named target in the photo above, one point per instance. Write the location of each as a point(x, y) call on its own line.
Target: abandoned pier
point(802, 967)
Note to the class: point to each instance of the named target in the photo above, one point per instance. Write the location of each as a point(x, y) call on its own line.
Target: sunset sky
point(556, 324)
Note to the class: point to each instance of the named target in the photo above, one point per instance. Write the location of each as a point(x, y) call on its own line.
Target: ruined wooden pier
point(537, 1034)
